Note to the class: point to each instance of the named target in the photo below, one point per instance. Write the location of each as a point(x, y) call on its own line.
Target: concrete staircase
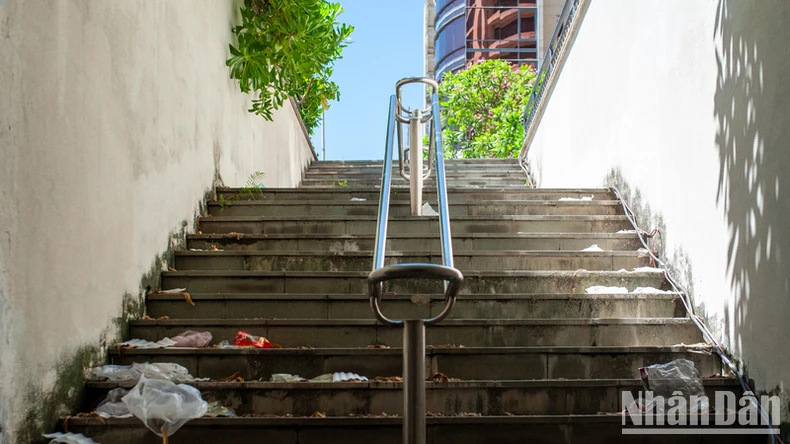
point(536, 358)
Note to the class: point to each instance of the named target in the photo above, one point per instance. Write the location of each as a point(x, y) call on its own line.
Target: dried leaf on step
point(171, 269)
point(508, 414)
point(161, 318)
point(232, 378)
point(372, 346)
point(238, 235)
point(388, 379)
point(469, 414)
point(318, 415)
point(441, 377)
point(214, 248)
point(188, 298)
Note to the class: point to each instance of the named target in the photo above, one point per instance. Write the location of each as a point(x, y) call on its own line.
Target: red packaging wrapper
point(244, 339)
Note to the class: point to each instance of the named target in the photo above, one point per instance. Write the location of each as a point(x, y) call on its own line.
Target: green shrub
point(482, 108)
point(286, 48)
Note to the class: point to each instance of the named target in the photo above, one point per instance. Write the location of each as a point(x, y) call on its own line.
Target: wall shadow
point(752, 111)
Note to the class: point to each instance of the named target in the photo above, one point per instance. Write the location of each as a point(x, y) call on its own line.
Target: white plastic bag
point(164, 406)
point(675, 377)
point(113, 406)
point(191, 338)
point(157, 370)
point(69, 438)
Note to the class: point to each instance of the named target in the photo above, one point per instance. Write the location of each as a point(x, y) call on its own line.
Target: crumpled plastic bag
point(164, 406)
point(69, 438)
point(244, 339)
point(191, 338)
point(142, 343)
point(678, 376)
point(217, 410)
point(158, 370)
point(113, 405)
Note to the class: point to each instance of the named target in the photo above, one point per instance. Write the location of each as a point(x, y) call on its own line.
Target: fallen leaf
point(232, 378)
point(508, 414)
point(214, 248)
point(188, 298)
point(441, 377)
point(171, 269)
point(161, 318)
point(388, 379)
point(318, 415)
point(372, 346)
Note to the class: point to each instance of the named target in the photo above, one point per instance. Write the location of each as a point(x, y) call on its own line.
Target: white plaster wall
point(688, 101)
point(115, 118)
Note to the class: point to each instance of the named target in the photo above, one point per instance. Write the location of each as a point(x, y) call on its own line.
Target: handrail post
point(414, 381)
point(414, 404)
point(415, 162)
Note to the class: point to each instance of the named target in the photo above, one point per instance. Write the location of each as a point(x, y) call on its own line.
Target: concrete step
point(414, 242)
point(468, 363)
point(403, 208)
point(450, 174)
point(539, 429)
point(455, 169)
point(370, 181)
point(473, 306)
point(412, 224)
point(401, 193)
point(294, 333)
point(356, 282)
point(362, 260)
point(449, 162)
point(489, 398)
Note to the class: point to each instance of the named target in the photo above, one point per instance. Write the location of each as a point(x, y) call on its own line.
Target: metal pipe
point(384, 195)
point(414, 382)
point(415, 163)
point(441, 189)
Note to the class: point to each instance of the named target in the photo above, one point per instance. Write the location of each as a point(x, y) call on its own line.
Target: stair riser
point(466, 309)
point(428, 225)
point(603, 431)
point(358, 285)
point(361, 183)
point(256, 366)
point(362, 263)
point(351, 209)
point(460, 244)
point(455, 170)
point(372, 174)
point(401, 194)
point(470, 336)
point(347, 400)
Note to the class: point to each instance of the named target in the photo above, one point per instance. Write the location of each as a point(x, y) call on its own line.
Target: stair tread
point(362, 253)
point(386, 385)
point(437, 297)
point(375, 323)
point(467, 273)
point(430, 350)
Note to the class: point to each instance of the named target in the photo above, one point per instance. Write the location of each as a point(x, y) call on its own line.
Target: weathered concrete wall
point(687, 103)
point(116, 117)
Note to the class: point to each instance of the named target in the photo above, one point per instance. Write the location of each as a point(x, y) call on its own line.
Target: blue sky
point(387, 46)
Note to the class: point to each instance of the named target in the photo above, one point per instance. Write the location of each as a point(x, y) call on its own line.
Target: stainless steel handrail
point(414, 406)
point(554, 50)
point(446, 272)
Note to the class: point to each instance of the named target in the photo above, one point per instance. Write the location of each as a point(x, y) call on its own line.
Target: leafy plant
point(482, 108)
point(286, 48)
point(253, 185)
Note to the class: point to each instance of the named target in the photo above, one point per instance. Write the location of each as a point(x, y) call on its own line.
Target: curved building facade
point(470, 30)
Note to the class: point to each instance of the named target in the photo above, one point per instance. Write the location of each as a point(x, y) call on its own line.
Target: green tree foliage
point(482, 108)
point(286, 48)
